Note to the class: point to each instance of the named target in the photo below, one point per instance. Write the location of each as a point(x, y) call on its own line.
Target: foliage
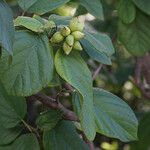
point(49, 58)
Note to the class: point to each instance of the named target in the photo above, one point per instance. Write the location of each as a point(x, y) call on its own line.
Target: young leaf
point(48, 119)
point(74, 70)
point(144, 5)
point(26, 142)
point(94, 7)
point(100, 42)
point(41, 7)
point(32, 66)
point(114, 118)
point(6, 27)
point(9, 135)
point(135, 36)
point(63, 137)
point(42, 20)
point(126, 10)
point(12, 109)
point(95, 54)
point(29, 23)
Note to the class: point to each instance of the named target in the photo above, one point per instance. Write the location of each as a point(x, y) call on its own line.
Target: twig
point(27, 126)
point(62, 93)
point(138, 71)
point(97, 71)
point(52, 103)
point(31, 129)
point(69, 87)
point(90, 143)
point(23, 13)
point(137, 78)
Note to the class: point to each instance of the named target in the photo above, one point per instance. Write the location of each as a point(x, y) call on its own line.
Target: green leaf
point(26, 142)
point(6, 27)
point(29, 23)
point(12, 109)
point(9, 135)
point(100, 42)
point(143, 134)
point(41, 7)
point(126, 11)
point(63, 137)
point(60, 20)
point(114, 118)
point(32, 66)
point(5, 148)
point(56, 81)
point(95, 54)
point(77, 103)
point(48, 119)
point(144, 5)
point(94, 7)
point(40, 19)
point(135, 36)
point(74, 70)
point(26, 4)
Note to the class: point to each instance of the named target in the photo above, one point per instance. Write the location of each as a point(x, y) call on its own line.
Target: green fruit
point(65, 31)
point(77, 46)
point(57, 38)
point(78, 35)
point(67, 49)
point(64, 10)
point(70, 40)
point(76, 25)
point(49, 25)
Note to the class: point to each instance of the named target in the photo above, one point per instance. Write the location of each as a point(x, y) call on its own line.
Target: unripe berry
point(76, 25)
point(49, 25)
point(70, 40)
point(77, 46)
point(65, 31)
point(67, 49)
point(78, 35)
point(57, 38)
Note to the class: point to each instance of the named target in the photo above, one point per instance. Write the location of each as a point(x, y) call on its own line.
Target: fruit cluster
point(70, 36)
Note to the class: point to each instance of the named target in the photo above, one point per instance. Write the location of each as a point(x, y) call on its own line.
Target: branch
point(138, 71)
point(97, 71)
point(54, 104)
point(67, 114)
point(137, 78)
point(90, 143)
point(68, 87)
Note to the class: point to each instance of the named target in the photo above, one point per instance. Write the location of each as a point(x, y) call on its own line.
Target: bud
point(70, 40)
point(76, 25)
point(67, 49)
point(77, 46)
point(49, 25)
point(57, 38)
point(78, 35)
point(65, 31)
